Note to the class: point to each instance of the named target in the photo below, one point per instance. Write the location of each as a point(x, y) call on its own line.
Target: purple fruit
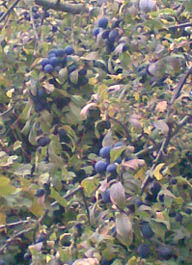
point(69, 50)
point(113, 35)
point(103, 22)
point(48, 68)
point(105, 151)
point(100, 166)
point(111, 168)
point(96, 31)
point(164, 252)
point(60, 52)
point(143, 251)
point(54, 61)
point(44, 62)
point(146, 230)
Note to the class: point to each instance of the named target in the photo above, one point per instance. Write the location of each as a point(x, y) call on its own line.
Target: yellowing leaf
point(148, 130)
point(93, 81)
point(157, 173)
point(48, 258)
point(89, 185)
point(161, 106)
point(132, 261)
point(134, 163)
point(136, 95)
point(10, 93)
point(2, 218)
point(36, 208)
point(6, 188)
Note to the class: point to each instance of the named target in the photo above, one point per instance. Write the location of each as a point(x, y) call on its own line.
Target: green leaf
point(124, 229)
point(5, 187)
point(55, 195)
point(89, 185)
point(115, 153)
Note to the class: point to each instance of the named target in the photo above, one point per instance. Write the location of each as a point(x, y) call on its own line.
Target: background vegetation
point(95, 132)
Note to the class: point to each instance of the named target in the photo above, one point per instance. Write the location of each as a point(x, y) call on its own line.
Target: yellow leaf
point(157, 173)
point(37, 209)
point(92, 81)
point(161, 106)
point(148, 130)
point(136, 95)
point(9, 93)
point(48, 258)
point(2, 218)
point(132, 261)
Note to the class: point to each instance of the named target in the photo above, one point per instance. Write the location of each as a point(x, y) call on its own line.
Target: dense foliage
point(95, 132)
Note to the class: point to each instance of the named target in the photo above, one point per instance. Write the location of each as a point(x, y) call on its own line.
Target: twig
point(16, 223)
point(170, 134)
point(123, 126)
point(20, 233)
point(86, 206)
point(65, 7)
point(9, 10)
point(69, 195)
point(180, 86)
point(183, 25)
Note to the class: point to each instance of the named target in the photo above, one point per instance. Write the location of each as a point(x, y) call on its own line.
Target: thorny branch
point(170, 134)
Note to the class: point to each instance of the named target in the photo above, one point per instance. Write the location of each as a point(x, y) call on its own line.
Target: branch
point(170, 134)
point(9, 10)
point(121, 125)
point(69, 195)
point(65, 7)
point(16, 223)
point(180, 86)
point(184, 25)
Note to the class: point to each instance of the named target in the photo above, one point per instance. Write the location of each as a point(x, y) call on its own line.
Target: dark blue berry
point(164, 252)
point(113, 35)
point(54, 28)
point(103, 22)
point(45, 61)
point(54, 61)
point(111, 168)
point(48, 68)
point(43, 141)
point(105, 151)
point(69, 50)
point(105, 34)
point(146, 230)
point(100, 166)
point(143, 251)
point(60, 52)
point(106, 196)
point(40, 193)
point(96, 31)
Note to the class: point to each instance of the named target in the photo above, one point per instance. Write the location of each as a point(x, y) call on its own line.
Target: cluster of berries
point(57, 59)
point(104, 165)
point(111, 36)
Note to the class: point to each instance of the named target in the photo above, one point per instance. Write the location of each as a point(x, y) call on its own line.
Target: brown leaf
point(134, 163)
point(162, 126)
point(161, 106)
point(86, 109)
